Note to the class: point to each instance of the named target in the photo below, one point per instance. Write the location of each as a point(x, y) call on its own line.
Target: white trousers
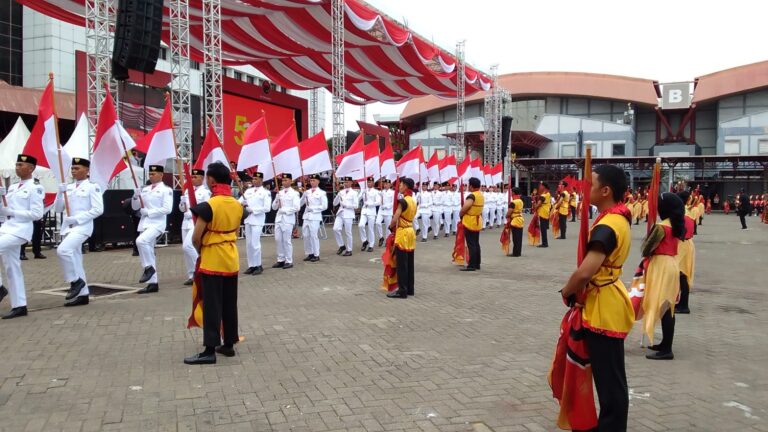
point(448, 225)
point(9, 252)
point(283, 237)
point(485, 216)
point(425, 224)
point(70, 252)
point(500, 216)
point(311, 242)
point(346, 225)
point(456, 220)
point(190, 253)
point(145, 243)
point(253, 244)
point(382, 225)
point(437, 216)
point(366, 228)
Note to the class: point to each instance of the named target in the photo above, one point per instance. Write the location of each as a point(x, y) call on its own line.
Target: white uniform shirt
point(158, 200)
point(202, 194)
point(258, 201)
point(85, 204)
point(371, 199)
point(438, 201)
point(456, 197)
point(348, 199)
point(25, 205)
point(316, 201)
point(424, 201)
point(287, 205)
point(387, 198)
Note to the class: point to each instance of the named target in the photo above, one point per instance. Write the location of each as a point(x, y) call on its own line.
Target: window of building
point(194, 65)
point(618, 149)
point(732, 147)
point(238, 76)
point(568, 150)
point(762, 146)
point(163, 54)
point(11, 37)
point(251, 79)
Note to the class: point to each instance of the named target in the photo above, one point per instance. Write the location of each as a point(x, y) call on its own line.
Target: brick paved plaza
point(325, 350)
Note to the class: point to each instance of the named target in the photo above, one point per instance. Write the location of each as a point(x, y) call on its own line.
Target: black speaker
point(506, 134)
point(138, 28)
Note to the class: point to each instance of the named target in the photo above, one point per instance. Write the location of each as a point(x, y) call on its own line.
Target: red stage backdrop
point(239, 112)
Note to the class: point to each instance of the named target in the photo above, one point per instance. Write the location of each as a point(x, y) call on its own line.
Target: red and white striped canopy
point(289, 41)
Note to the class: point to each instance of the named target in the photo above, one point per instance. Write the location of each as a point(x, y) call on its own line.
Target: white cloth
point(25, 205)
point(253, 244)
point(424, 203)
point(365, 226)
point(145, 243)
point(425, 220)
point(384, 217)
point(347, 200)
point(283, 236)
point(158, 201)
point(447, 219)
point(309, 232)
point(343, 224)
point(258, 202)
point(190, 253)
point(287, 205)
point(316, 202)
point(85, 204)
point(202, 194)
point(70, 253)
point(371, 199)
point(9, 252)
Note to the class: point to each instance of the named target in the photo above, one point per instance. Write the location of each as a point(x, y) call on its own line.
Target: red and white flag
point(43, 141)
point(496, 173)
point(387, 159)
point(255, 149)
point(448, 169)
point(487, 175)
point(352, 162)
point(408, 165)
point(109, 146)
point(314, 154)
point(159, 144)
point(285, 153)
point(464, 171)
point(371, 154)
point(211, 151)
point(433, 168)
point(476, 169)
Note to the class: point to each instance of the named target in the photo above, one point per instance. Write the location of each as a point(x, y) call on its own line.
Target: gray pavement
point(325, 350)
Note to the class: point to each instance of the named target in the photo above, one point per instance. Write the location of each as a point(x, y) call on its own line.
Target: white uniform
point(202, 194)
point(456, 197)
point(315, 201)
point(492, 204)
point(487, 197)
point(347, 200)
point(158, 203)
point(287, 205)
point(501, 208)
point(438, 198)
point(85, 204)
point(257, 202)
point(384, 218)
point(371, 199)
point(25, 205)
point(424, 211)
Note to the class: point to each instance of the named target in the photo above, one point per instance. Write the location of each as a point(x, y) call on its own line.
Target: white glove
point(62, 187)
point(5, 211)
point(144, 212)
point(2, 190)
point(69, 221)
point(136, 192)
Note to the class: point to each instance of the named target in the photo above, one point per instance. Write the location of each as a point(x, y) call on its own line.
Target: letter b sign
point(676, 96)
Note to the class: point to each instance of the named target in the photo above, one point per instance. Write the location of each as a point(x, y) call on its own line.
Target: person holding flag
point(384, 217)
point(347, 199)
point(437, 208)
point(371, 198)
point(257, 202)
point(85, 204)
point(455, 207)
point(424, 211)
point(202, 194)
point(22, 204)
point(287, 205)
point(155, 203)
point(472, 221)
point(516, 222)
point(404, 240)
point(315, 202)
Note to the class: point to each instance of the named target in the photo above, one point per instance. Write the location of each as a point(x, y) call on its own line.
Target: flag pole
point(179, 169)
point(58, 143)
point(226, 156)
point(266, 128)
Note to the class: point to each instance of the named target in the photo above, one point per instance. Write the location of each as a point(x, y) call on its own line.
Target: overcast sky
point(671, 40)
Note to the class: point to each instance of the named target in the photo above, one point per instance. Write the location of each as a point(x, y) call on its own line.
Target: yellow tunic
point(545, 206)
point(564, 204)
point(218, 255)
point(662, 285)
point(405, 237)
point(473, 219)
point(516, 221)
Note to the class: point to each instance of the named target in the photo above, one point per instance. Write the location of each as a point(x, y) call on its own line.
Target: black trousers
point(219, 309)
point(405, 272)
point(37, 238)
point(544, 226)
point(743, 220)
point(96, 239)
point(573, 214)
point(607, 357)
point(667, 331)
point(685, 291)
point(517, 241)
point(473, 247)
point(563, 224)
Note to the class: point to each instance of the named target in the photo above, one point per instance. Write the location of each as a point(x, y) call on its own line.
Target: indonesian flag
point(285, 153)
point(423, 171)
point(43, 141)
point(496, 173)
point(463, 170)
point(387, 159)
point(448, 169)
point(352, 162)
point(476, 169)
point(314, 154)
point(487, 176)
point(159, 144)
point(211, 151)
point(109, 146)
point(256, 151)
point(371, 154)
point(408, 165)
point(433, 169)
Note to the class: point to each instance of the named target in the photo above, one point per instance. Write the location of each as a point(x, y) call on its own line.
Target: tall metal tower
point(492, 147)
point(180, 98)
point(100, 22)
point(460, 100)
point(337, 72)
point(212, 76)
point(363, 112)
point(314, 110)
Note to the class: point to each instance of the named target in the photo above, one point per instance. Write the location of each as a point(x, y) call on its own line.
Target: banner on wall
point(239, 112)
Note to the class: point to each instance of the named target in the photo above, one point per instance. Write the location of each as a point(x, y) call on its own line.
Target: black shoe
point(279, 264)
point(467, 269)
point(683, 311)
point(226, 351)
point(149, 271)
point(39, 256)
point(364, 247)
point(249, 270)
point(258, 270)
point(370, 249)
point(542, 246)
point(515, 255)
point(347, 253)
point(135, 252)
point(315, 258)
point(656, 347)
point(149, 289)
point(199, 359)
point(434, 238)
point(74, 288)
point(661, 356)
point(341, 250)
point(78, 301)
point(561, 238)
point(446, 235)
point(287, 266)
point(423, 240)
point(16, 312)
point(23, 257)
point(308, 258)
point(3, 292)
point(396, 294)
point(188, 282)
point(381, 242)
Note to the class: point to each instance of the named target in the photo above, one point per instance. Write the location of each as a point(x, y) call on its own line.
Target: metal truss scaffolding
point(363, 113)
point(100, 20)
point(179, 41)
point(212, 87)
point(493, 108)
point(337, 72)
point(313, 111)
point(460, 100)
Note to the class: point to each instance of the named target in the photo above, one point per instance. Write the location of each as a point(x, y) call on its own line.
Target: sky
point(671, 40)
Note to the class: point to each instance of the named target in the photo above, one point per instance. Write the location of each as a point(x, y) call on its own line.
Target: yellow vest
point(516, 221)
point(564, 204)
point(473, 220)
point(405, 237)
point(607, 309)
point(545, 206)
point(218, 255)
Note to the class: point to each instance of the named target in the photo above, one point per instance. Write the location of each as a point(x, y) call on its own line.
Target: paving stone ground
point(324, 350)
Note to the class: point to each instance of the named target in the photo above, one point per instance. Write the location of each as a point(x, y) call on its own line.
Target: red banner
point(239, 112)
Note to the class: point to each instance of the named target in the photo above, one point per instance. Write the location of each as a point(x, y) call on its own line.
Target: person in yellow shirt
point(405, 240)
point(545, 205)
point(572, 204)
point(516, 222)
point(607, 314)
point(471, 218)
point(215, 237)
point(563, 209)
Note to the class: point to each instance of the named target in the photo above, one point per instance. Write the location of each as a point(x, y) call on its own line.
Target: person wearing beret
point(347, 199)
point(315, 202)
point(155, 203)
point(287, 205)
point(437, 208)
point(424, 209)
point(22, 204)
point(257, 202)
point(202, 194)
point(371, 198)
point(384, 217)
